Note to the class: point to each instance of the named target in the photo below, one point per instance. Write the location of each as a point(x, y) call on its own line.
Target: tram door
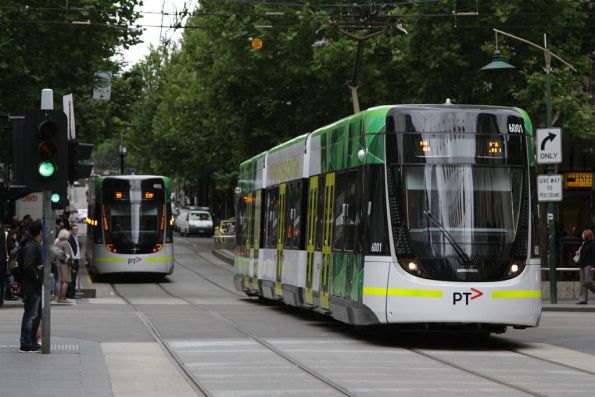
point(256, 237)
point(249, 233)
point(280, 239)
point(311, 242)
point(327, 231)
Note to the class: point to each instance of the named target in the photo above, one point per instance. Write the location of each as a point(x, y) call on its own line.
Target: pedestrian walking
point(30, 259)
point(76, 249)
point(63, 261)
point(586, 262)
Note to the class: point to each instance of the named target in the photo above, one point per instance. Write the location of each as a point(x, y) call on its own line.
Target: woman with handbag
point(63, 264)
point(586, 263)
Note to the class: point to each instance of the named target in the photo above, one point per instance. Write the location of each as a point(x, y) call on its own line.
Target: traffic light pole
point(49, 223)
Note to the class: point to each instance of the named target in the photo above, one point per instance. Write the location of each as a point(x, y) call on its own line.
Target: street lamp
point(122, 152)
point(498, 63)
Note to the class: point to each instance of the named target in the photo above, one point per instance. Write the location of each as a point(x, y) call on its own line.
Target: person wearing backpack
point(32, 267)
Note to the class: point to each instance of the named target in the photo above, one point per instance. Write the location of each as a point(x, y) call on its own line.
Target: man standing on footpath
point(31, 286)
point(74, 269)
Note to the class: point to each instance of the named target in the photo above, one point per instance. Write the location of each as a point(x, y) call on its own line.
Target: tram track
point(265, 344)
point(417, 351)
point(187, 373)
point(194, 383)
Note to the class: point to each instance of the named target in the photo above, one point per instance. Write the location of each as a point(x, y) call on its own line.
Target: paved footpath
point(98, 348)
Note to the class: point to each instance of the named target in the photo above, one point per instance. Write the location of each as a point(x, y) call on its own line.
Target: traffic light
point(77, 152)
point(59, 198)
point(45, 151)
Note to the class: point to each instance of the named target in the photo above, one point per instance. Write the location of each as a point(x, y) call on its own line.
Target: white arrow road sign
point(549, 145)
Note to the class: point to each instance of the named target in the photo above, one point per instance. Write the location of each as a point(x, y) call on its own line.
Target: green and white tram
point(412, 214)
point(129, 225)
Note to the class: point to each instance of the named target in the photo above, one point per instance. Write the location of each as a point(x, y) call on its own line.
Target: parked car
point(226, 228)
point(80, 215)
point(194, 222)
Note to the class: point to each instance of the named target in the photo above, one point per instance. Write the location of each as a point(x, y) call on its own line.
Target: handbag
point(577, 256)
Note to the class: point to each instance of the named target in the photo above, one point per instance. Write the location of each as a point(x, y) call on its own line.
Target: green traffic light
point(55, 198)
point(46, 169)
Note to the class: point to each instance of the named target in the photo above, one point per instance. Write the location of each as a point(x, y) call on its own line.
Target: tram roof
point(375, 118)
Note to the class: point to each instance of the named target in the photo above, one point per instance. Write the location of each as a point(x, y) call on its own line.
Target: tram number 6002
point(376, 247)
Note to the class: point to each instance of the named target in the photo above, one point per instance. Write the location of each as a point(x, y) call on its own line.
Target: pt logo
point(466, 296)
point(134, 261)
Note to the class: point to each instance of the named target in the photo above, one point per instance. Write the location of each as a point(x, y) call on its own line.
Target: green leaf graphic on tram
point(462, 255)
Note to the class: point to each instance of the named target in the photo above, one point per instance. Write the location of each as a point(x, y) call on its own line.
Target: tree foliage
point(216, 101)
point(61, 45)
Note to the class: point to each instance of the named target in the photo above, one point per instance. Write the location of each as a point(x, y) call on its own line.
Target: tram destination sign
point(549, 145)
point(549, 188)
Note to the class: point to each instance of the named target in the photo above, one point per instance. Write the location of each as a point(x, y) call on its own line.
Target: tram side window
point(345, 211)
point(375, 209)
point(97, 229)
point(241, 223)
point(271, 217)
point(293, 215)
point(352, 219)
point(320, 212)
point(169, 235)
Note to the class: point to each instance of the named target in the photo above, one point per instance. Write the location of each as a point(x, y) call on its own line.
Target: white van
point(195, 222)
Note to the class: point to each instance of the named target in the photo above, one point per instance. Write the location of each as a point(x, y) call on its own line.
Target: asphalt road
point(233, 345)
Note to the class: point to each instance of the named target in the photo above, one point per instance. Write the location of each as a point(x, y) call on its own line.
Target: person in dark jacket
point(31, 286)
point(586, 264)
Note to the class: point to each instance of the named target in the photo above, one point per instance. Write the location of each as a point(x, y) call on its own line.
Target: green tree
point(218, 101)
point(60, 45)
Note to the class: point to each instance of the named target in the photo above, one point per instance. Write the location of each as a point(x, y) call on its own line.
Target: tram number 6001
point(515, 128)
point(376, 247)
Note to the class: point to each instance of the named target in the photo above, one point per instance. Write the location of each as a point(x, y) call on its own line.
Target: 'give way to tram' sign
point(549, 145)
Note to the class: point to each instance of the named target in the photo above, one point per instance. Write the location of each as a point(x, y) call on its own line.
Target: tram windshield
point(134, 217)
point(462, 197)
point(463, 210)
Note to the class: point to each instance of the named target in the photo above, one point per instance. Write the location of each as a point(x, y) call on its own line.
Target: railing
point(224, 241)
point(566, 269)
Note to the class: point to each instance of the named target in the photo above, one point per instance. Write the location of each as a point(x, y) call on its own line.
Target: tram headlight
point(410, 265)
point(514, 268)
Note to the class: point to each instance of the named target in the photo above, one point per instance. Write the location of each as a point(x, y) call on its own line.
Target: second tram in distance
point(419, 215)
point(129, 225)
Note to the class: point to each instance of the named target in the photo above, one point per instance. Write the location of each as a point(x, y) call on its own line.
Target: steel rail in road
point(186, 373)
point(264, 343)
point(413, 350)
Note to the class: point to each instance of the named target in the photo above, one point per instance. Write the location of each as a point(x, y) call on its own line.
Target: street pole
point(122, 151)
point(551, 169)
point(547, 215)
point(48, 225)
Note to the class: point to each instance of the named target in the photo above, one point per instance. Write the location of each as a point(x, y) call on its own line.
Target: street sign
point(549, 145)
point(103, 91)
point(549, 188)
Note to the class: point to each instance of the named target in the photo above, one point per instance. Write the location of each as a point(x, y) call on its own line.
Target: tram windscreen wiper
point(462, 255)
